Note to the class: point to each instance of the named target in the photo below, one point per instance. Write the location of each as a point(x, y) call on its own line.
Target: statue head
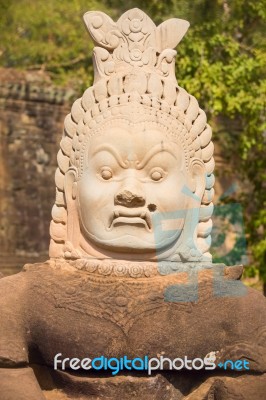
point(134, 178)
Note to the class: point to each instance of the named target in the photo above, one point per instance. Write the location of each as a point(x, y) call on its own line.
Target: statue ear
point(197, 177)
point(196, 185)
point(70, 186)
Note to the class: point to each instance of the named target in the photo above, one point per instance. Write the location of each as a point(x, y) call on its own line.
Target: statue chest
point(89, 316)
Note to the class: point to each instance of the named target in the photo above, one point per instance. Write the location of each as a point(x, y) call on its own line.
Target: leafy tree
point(48, 35)
point(221, 61)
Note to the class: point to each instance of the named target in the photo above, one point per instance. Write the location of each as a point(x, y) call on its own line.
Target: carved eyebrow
point(156, 149)
point(110, 149)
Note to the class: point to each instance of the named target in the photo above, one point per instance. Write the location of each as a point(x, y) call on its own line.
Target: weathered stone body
point(130, 273)
point(93, 314)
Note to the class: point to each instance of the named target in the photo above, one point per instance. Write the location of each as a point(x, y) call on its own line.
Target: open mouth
point(134, 217)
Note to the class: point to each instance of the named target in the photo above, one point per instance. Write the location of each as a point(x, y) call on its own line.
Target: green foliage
point(48, 35)
point(221, 61)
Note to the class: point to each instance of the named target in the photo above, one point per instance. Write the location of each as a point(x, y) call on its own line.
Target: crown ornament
point(133, 42)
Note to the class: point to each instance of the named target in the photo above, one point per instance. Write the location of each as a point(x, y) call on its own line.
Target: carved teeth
point(148, 220)
point(132, 214)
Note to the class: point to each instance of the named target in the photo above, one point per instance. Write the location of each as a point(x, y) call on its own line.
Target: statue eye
point(157, 174)
point(106, 173)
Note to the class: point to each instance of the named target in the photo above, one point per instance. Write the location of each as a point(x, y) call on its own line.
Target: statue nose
point(128, 198)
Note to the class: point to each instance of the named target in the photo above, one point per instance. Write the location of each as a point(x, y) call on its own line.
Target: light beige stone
point(141, 155)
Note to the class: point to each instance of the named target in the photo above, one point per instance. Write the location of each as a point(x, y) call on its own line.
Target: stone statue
point(130, 273)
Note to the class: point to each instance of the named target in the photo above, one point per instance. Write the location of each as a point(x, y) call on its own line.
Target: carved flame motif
point(134, 41)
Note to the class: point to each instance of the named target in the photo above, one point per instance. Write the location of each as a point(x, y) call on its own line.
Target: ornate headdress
point(134, 80)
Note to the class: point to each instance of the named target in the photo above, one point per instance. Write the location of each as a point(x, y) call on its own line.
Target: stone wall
point(32, 112)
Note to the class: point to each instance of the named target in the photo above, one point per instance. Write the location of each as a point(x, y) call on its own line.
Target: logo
point(146, 364)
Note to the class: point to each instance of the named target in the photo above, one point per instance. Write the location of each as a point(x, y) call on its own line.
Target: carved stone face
point(131, 174)
point(135, 164)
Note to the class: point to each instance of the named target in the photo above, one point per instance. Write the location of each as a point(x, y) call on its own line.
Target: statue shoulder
point(13, 327)
point(11, 287)
point(255, 302)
